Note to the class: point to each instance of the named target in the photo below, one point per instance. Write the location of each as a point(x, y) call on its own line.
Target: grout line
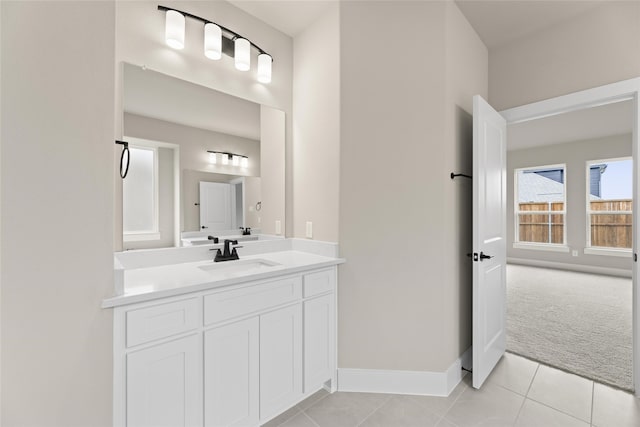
point(531, 382)
point(375, 410)
point(314, 403)
point(557, 410)
point(310, 419)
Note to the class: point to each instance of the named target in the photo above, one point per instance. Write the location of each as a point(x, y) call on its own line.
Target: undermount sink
point(240, 266)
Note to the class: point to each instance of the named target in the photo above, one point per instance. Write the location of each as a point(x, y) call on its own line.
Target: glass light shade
point(236, 160)
point(212, 41)
point(174, 29)
point(264, 68)
point(242, 54)
point(244, 162)
point(213, 158)
point(225, 159)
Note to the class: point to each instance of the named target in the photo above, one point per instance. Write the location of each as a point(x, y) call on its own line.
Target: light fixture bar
point(228, 158)
point(230, 33)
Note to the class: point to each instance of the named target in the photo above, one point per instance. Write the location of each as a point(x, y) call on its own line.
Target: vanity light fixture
point(174, 29)
point(234, 159)
point(217, 40)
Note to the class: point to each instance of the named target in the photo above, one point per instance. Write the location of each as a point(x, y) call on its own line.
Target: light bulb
point(244, 162)
point(264, 68)
point(225, 159)
point(242, 54)
point(212, 41)
point(174, 29)
point(213, 158)
point(236, 160)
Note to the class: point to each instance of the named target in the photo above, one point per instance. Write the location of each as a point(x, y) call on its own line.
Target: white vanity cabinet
point(233, 356)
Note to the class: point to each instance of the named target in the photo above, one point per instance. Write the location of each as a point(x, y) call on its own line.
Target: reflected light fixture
point(217, 40)
point(234, 159)
point(174, 29)
point(264, 68)
point(212, 41)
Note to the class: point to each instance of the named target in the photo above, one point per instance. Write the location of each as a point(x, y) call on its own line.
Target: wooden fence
point(610, 230)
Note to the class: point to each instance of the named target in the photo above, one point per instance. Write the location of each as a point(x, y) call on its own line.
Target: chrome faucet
point(229, 254)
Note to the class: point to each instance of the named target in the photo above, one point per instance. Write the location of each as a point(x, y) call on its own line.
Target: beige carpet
point(577, 322)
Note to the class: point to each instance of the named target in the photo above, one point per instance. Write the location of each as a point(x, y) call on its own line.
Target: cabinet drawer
point(319, 282)
point(238, 302)
point(161, 321)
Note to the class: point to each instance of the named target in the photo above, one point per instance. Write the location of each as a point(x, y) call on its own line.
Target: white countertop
point(144, 284)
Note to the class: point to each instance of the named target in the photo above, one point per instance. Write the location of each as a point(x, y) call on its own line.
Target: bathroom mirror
point(202, 162)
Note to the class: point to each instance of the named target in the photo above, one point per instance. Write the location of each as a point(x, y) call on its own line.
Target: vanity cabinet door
point(280, 360)
point(319, 341)
point(164, 384)
point(231, 376)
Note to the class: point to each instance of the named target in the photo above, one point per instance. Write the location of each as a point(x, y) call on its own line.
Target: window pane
point(138, 191)
point(541, 190)
point(610, 192)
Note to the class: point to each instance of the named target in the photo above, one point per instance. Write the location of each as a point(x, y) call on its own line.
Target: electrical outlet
point(278, 227)
point(574, 252)
point(309, 232)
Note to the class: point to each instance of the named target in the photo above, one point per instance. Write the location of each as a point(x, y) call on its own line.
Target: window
point(140, 196)
point(609, 204)
point(540, 207)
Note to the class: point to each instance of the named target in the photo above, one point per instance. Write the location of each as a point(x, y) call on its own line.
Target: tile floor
point(518, 393)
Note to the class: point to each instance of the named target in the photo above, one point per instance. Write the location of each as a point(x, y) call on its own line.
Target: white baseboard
point(571, 267)
point(404, 382)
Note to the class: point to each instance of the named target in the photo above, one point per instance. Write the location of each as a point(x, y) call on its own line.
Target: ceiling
point(499, 22)
point(156, 95)
point(290, 17)
point(590, 123)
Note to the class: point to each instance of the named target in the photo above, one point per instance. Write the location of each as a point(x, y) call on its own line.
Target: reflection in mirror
point(177, 192)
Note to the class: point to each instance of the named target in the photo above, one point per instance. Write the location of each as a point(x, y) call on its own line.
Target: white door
point(280, 360)
point(215, 206)
point(231, 376)
point(164, 384)
point(489, 238)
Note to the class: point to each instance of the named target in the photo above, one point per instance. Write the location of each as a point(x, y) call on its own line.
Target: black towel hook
point(125, 149)
point(454, 175)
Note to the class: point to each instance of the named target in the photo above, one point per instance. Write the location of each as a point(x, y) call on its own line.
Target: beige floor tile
point(286, 415)
point(565, 392)
point(514, 373)
point(401, 411)
point(440, 405)
point(313, 399)
point(491, 406)
point(345, 409)
point(445, 423)
point(534, 414)
point(300, 420)
point(614, 408)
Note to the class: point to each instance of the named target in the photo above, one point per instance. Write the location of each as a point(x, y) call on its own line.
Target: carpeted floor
point(577, 322)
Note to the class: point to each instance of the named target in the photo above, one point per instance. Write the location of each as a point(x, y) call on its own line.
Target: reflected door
point(215, 206)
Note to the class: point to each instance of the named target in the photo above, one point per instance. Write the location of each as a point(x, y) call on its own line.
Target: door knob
point(203, 227)
point(483, 256)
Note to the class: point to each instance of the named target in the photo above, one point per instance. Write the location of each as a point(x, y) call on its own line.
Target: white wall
point(574, 155)
point(404, 128)
point(593, 49)
point(139, 41)
point(316, 127)
point(57, 212)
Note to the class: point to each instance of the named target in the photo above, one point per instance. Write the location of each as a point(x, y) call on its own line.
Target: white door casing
point(489, 238)
point(215, 206)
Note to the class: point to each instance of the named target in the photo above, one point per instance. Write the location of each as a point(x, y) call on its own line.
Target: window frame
point(554, 247)
point(154, 233)
point(603, 250)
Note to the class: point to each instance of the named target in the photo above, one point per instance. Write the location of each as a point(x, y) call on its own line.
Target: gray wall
point(57, 212)
point(316, 130)
point(404, 225)
point(574, 155)
point(592, 49)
